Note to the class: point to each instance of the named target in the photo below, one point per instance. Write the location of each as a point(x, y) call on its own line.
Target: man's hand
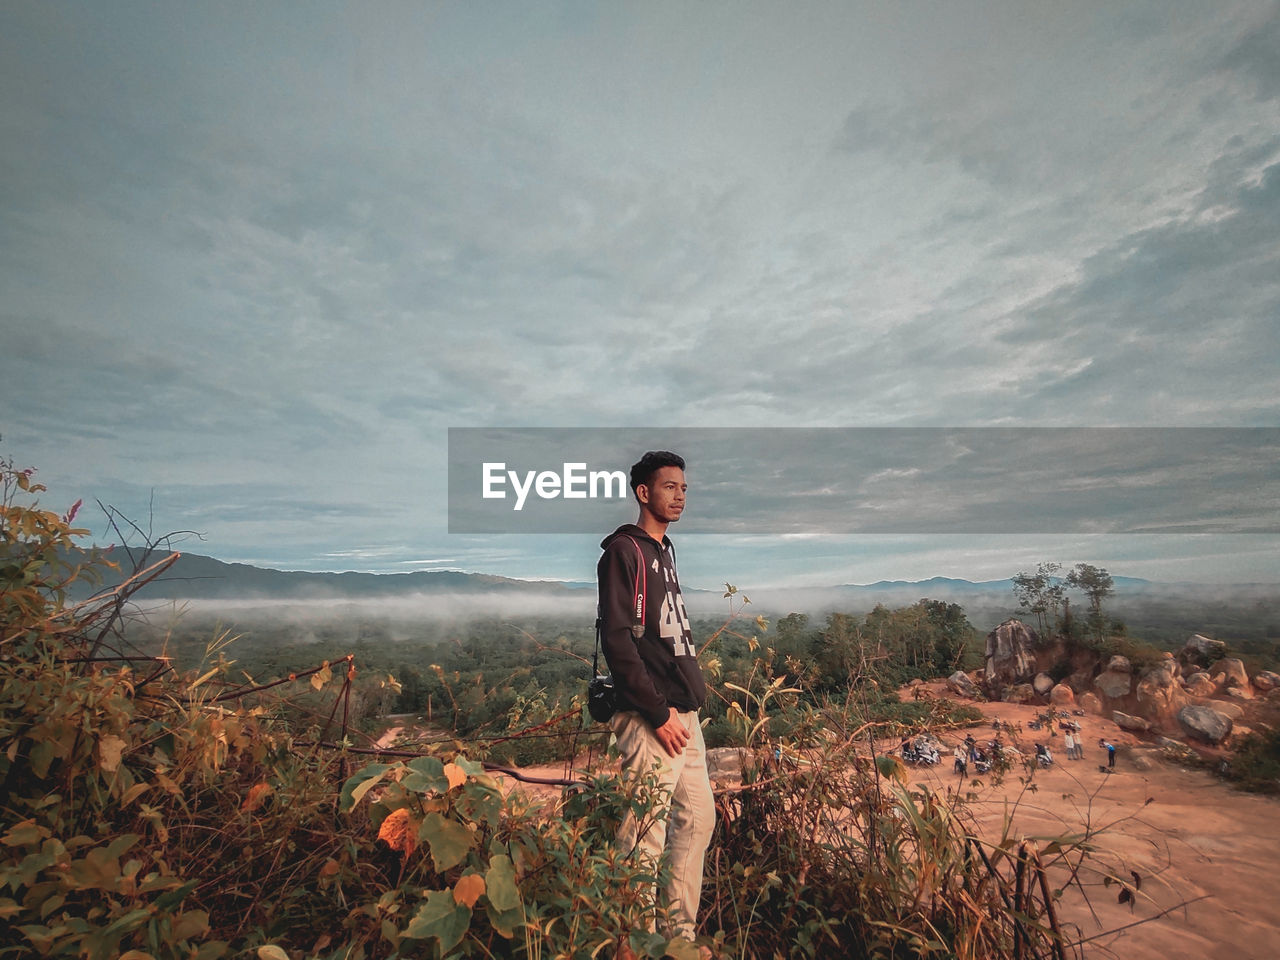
point(672, 734)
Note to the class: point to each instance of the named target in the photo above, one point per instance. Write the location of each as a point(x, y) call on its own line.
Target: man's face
point(663, 495)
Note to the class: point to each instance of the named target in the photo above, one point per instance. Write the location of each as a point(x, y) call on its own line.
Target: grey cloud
point(1257, 56)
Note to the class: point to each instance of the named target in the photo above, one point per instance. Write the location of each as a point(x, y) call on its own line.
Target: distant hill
point(198, 577)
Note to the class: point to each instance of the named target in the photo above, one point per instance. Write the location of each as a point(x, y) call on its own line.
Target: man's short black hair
point(642, 470)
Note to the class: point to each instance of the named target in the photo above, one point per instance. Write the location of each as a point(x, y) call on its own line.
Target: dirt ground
point(1185, 832)
point(1188, 835)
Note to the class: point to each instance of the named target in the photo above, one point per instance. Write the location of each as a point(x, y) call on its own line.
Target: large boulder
point(1042, 684)
point(1202, 651)
point(1265, 681)
point(1008, 657)
point(1160, 694)
point(1062, 696)
point(1090, 703)
point(1127, 722)
point(961, 683)
point(1113, 684)
point(1229, 672)
point(1204, 724)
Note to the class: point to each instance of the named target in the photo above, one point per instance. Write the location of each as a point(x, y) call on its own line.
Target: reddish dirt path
point(1196, 837)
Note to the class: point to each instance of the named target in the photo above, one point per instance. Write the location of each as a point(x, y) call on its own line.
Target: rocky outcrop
point(1090, 703)
point(1229, 672)
point(1160, 694)
point(1042, 684)
point(1062, 696)
point(1128, 722)
point(1008, 657)
point(1202, 651)
point(1265, 681)
point(962, 684)
point(1204, 724)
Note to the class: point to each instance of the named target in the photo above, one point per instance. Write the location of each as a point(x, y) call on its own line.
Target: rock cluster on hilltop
point(1152, 698)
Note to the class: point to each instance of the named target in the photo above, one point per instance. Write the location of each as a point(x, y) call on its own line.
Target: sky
point(257, 259)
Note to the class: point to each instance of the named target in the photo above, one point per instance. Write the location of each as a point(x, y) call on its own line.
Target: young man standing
point(659, 686)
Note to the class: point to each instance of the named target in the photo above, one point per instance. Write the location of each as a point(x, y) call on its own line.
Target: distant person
point(961, 760)
point(659, 686)
point(1111, 754)
point(1069, 743)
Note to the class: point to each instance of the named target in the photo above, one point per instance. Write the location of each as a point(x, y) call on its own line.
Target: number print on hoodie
point(659, 669)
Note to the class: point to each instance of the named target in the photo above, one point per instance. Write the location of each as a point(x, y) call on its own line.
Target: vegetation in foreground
point(152, 813)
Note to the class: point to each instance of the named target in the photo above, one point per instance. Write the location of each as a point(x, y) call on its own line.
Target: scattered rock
point(1169, 743)
point(1062, 696)
point(1090, 703)
point(1239, 732)
point(1199, 685)
point(1204, 724)
point(1133, 724)
point(1008, 656)
point(1232, 710)
point(1203, 651)
point(1042, 684)
point(1139, 761)
point(1229, 672)
point(1266, 680)
point(1239, 693)
point(961, 683)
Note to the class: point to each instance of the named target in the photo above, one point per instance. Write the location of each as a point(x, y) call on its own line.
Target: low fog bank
point(406, 609)
point(1172, 607)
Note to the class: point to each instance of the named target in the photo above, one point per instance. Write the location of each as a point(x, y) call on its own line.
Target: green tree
point(1042, 593)
point(1096, 585)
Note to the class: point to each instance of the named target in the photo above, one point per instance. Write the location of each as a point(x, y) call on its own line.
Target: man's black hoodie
point(658, 670)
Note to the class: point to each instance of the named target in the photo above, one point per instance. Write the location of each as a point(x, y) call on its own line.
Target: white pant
point(686, 833)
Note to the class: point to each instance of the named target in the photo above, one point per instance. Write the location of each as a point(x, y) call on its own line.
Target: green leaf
point(449, 841)
point(427, 776)
point(500, 883)
point(272, 952)
point(891, 767)
point(440, 917)
point(360, 783)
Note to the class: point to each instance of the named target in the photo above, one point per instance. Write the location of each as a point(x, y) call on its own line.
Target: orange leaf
point(398, 833)
point(456, 777)
point(468, 889)
point(258, 794)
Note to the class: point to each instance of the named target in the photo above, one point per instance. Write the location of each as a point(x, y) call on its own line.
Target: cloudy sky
point(258, 258)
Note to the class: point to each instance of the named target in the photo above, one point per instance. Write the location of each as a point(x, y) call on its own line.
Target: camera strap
point(638, 602)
